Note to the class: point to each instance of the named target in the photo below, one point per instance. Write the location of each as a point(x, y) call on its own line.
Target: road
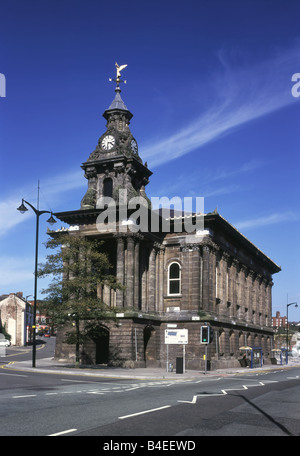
point(257, 403)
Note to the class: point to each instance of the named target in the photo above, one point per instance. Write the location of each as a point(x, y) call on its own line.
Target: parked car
point(4, 343)
point(46, 335)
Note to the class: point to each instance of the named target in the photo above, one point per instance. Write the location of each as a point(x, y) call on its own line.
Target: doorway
point(150, 346)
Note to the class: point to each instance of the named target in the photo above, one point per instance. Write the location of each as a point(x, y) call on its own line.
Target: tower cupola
point(115, 163)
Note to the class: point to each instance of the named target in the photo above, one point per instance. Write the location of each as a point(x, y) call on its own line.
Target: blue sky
point(209, 84)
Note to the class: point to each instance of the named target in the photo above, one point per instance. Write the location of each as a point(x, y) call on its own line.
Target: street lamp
point(22, 208)
point(287, 321)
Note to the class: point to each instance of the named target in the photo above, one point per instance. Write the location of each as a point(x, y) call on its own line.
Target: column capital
point(158, 247)
point(188, 247)
point(209, 246)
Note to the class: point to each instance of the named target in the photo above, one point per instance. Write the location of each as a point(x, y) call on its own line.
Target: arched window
point(108, 187)
point(174, 279)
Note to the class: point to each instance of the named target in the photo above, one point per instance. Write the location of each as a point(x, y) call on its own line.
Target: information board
point(176, 336)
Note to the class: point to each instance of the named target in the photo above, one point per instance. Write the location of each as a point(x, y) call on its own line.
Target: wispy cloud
point(271, 219)
point(9, 216)
point(239, 94)
point(213, 181)
point(60, 183)
point(12, 270)
point(53, 189)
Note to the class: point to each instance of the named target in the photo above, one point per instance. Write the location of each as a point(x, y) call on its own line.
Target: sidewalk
point(50, 365)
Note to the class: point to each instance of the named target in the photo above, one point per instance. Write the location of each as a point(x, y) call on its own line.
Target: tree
point(78, 268)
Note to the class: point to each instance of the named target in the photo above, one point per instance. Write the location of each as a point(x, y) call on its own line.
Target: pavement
point(51, 365)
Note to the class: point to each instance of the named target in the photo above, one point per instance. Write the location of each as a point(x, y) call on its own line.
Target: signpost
point(176, 337)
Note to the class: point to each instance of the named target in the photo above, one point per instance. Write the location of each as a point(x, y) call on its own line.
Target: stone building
point(213, 275)
point(16, 317)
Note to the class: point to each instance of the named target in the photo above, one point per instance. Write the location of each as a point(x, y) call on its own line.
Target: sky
point(209, 84)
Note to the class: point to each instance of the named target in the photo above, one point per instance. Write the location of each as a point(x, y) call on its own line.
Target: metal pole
point(205, 358)
point(167, 357)
point(287, 322)
point(35, 289)
point(51, 220)
point(287, 327)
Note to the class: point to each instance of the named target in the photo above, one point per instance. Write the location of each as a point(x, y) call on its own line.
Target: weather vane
point(118, 78)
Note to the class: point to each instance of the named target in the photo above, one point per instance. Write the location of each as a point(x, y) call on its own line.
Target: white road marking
point(62, 432)
point(144, 412)
point(224, 391)
point(15, 375)
point(28, 395)
point(77, 381)
point(94, 392)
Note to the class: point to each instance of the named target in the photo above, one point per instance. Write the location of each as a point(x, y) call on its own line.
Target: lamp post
point(22, 208)
point(287, 322)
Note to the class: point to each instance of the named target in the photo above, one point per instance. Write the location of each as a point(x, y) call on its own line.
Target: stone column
point(209, 277)
point(230, 286)
point(221, 284)
point(258, 297)
point(185, 275)
point(205, 277)
point(252, 297)
point(263, 300)
point(227, 285)
point(120, 269)
point(129, 292)
point(152, 280)
point(160, 279)
point(235, 272)
point(247, 295)
point(137, 273)
point(239, 291)
point(195, 276)
point(144, 278)
point(268, 313)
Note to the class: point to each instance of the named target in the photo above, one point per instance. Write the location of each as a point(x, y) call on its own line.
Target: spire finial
point(118, 79)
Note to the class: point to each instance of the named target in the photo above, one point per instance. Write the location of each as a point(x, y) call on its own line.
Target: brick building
point(278, 321)
point(213, 275)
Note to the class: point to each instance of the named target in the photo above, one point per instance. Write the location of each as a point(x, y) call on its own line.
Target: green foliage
point(78, 268)
point(5, 333)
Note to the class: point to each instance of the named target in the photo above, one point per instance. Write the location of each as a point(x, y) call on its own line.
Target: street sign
point(176, 336)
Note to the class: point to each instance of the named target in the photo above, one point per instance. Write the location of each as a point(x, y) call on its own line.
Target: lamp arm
point(37, 212)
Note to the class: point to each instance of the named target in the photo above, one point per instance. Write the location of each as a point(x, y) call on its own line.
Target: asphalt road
point(254, 404)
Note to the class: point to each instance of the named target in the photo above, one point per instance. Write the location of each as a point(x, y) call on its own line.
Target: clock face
point(134, 146)
point(108, 142)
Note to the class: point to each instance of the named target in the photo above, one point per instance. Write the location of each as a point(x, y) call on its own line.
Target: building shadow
point(269, 417)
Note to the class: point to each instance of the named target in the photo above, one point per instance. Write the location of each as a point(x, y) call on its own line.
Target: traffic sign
point(176, 336)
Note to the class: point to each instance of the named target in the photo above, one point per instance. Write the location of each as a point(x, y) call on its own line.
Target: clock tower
point(115, 163)
point(169, 276)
